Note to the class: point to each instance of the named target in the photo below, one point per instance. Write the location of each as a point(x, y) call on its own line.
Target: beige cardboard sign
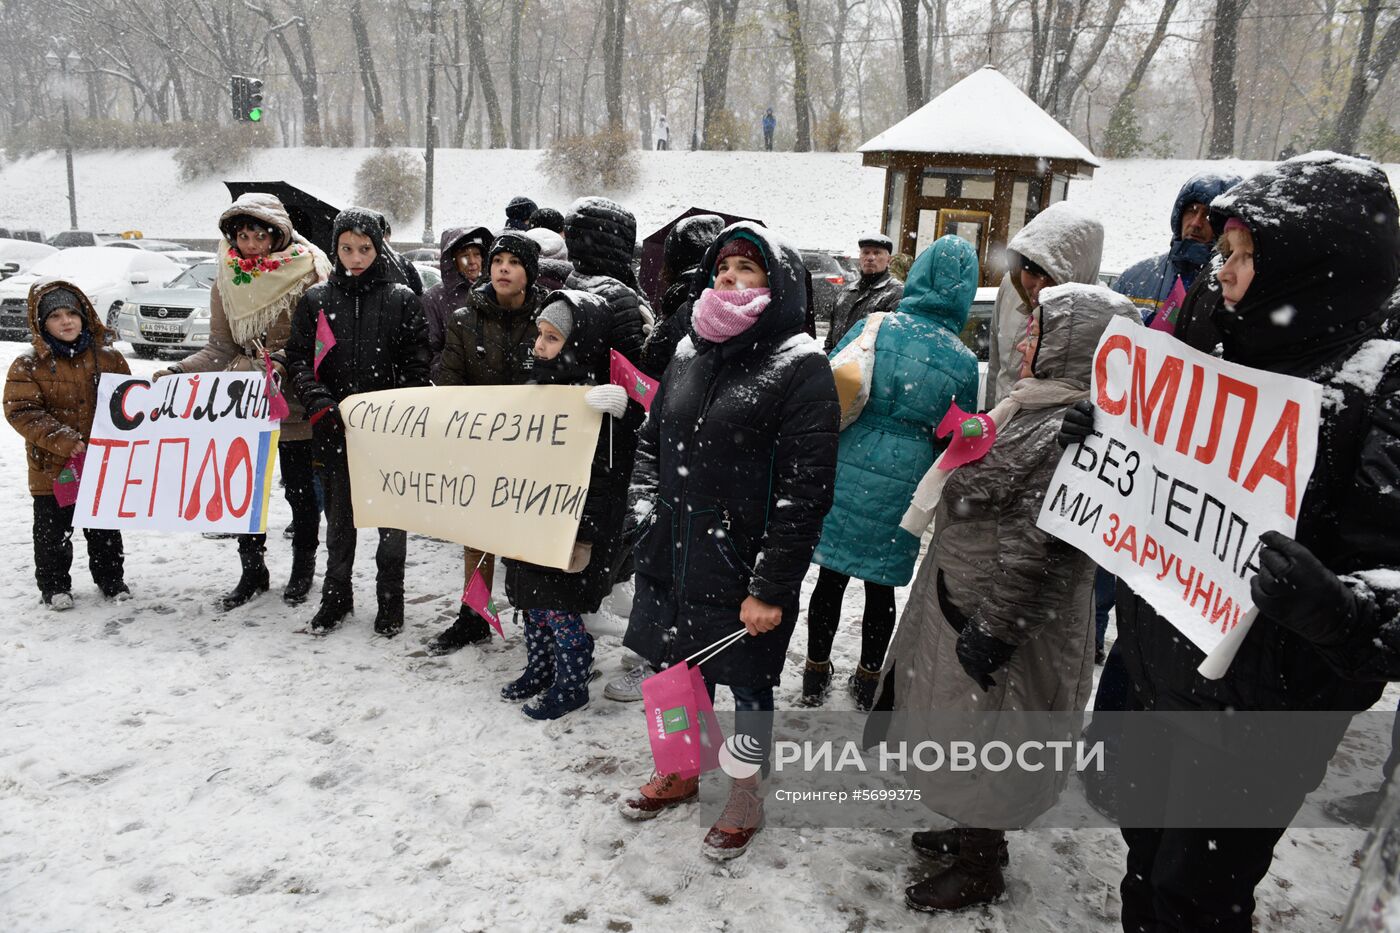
point(503, 469)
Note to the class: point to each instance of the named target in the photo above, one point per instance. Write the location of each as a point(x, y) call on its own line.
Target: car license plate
point(157, 328)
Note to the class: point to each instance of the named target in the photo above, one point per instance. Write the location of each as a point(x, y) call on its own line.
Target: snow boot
point(573, 669)
point(328, 618)
point(974, 878)
point(469, 629)
point(816, 682)
point(863, 682)
point(303, 572)
point(254, 580)
point(539, 664)
point(946, 843)
point(740, 821)
point(59, 602)
point(661, 792)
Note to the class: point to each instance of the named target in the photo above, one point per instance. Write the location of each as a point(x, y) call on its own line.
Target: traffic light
point(252, 100)
point(238, 88)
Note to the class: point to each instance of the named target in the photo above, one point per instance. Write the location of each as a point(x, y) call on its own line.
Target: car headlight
point(200, 314)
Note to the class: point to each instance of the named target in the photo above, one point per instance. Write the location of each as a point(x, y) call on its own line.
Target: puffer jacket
point(989, 566)
point(51, 400)
point(1065, 242)
point(601, 235)
point(920, 367)
point(488, 344)
point(530, 586)
point(444, 298)
point(735, 468)
point(862, 298)
point(381, 341)
point(1338, 278)
point(223, 352)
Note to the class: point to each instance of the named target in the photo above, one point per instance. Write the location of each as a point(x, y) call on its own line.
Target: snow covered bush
point(391, 182)
point(603, 161)
point(216, 149)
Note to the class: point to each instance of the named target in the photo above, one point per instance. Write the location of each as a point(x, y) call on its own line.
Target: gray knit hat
point(560, 315)
point(56, 298)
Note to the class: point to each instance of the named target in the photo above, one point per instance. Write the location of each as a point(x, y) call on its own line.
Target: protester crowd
point(753, 463)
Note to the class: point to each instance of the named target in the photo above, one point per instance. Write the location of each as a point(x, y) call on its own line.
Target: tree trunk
point(1140, 69)
point(721, 14)
point(800, 96)
point(909, 33)
point(832, 141)
point(303, 70)
point(477, 43)
point(614, 31)
point(1074, 77)
point(517, 11)
point(369, 78)
point(1223, 90)
point(1368, 71)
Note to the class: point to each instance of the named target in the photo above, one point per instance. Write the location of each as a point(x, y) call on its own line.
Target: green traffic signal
point(255, 114)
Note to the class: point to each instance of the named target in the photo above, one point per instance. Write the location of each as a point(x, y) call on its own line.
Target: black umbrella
point(654, 248)
point(312, 217)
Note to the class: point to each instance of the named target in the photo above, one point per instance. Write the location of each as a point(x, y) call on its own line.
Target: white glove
point(578, 560)
point(608, 399)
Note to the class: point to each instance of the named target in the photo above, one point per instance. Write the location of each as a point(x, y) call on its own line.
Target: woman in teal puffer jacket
point(920, 368)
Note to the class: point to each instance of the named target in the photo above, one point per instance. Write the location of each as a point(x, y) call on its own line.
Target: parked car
point(1106, 279)
point(16, 256)
point(109, 277)
point(190, 257)
point(67, 239)
point(422, 254)
point(977, 333)
point(429, 273)
point(828, 278)
point(171, 320)
point(32, 236)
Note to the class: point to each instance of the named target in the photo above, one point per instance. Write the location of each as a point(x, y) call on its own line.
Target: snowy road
point(166, 768)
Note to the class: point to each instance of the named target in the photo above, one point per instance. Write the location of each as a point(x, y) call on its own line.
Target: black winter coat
point(487, 344)
point(735, 469)
point(1338, 276)
point(601, 236)
point(447, 296)
point(858, 301)
point(530, 586)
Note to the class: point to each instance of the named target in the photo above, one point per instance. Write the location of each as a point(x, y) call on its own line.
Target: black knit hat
point(522, 248)
point(60, 297)
point(518, 213)
point(548, 218)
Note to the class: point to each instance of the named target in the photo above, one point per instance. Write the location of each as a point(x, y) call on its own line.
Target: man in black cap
point(875, 290)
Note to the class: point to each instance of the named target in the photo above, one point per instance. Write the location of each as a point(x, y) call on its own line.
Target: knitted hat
point(522, 248)
point(877, 240)
point(560, 315)
point(518, 213)
point(741, 245)
point(60, 297)
point(1234, 223)
point(549, 219)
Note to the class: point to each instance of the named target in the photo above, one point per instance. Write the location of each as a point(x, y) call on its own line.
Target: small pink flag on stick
point(277, 408)
point(65, 488)
point(478, 598)
point(325, 340)
point(639, 386)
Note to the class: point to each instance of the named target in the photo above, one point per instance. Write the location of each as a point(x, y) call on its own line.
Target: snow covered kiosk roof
point(984, 114)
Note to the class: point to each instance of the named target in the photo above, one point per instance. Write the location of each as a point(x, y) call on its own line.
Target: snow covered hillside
point(818, 200)
point(166, 768)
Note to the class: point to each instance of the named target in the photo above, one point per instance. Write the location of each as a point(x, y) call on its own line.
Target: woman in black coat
point(734, 473)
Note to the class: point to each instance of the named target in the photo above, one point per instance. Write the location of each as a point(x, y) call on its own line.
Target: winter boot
point(58, 602)
point(974, 877)
point(816, 682)
point(739, 823)
point(303, 572)
point(539, 664)
point(863, 682)
point(662, 792)
point(253, 581)
point(388, 621)
point(328, 618)
point(946, 843)
point(573, 668)
point(469, 629)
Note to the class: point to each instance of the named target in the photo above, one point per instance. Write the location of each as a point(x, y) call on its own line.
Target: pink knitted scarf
point(718, 316)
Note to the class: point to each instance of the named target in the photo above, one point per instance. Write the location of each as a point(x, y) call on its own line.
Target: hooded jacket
point(381, 341)
point(50, 400)
point(488, 344)
point(990, 566)
point(1065, 242)
point(1322, 306)
point(451, 293)
point(1149, 282)
point(601, 236)
point(682, 282)
point(920, 368)
point(735, 468)
point(529, 586)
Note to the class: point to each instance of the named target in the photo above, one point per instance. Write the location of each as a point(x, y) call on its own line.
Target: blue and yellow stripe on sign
point(257, 518)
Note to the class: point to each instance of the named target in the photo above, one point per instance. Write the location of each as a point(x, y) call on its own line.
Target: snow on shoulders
point(796, 346)
point(685, 349)
point(1367, 366)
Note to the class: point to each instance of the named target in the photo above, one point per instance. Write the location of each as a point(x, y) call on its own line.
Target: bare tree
point(517, 104)
point(909, 39)
point(1223, 89)
point(1367, 72)
point(614, 32)
point(721, 15)
point(1159, 33)
point(801, 97)
point(301, 63)
point(476, 41)
point(369, 78)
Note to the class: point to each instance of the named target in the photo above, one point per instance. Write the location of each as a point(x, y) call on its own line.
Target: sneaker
point(662, 792)
point(628, 687)
point(59, 602)
point(738, 824)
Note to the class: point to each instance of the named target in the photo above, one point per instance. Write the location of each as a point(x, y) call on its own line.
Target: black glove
point(326, 420)
point(1078, 423)
point(982, 653)
point(1294, 589)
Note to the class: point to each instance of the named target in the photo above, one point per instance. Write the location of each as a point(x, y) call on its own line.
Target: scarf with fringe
point(256, 292)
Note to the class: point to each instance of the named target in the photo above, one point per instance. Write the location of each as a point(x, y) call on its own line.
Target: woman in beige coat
point(264, 268)
point(1000, 616)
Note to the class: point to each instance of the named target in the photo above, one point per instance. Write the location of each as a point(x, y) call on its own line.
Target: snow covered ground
point(166, 768)
point(818, 200)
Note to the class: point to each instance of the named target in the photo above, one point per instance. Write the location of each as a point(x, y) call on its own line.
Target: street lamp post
point(559, 99)
point(695, 124)
point(430, 143)
point(62, 61)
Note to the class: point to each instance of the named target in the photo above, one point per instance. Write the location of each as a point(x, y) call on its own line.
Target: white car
point(171, 320)
point(16, 256)
point(109, 278)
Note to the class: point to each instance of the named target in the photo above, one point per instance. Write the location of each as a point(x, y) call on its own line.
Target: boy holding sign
point(50, 398)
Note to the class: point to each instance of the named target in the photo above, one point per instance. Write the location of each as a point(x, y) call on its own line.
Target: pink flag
point(325, 340)
point(277, 407)
point(639, 386)
point(973, 436)
point(65, 488)
point(477, 597)
point(1165, 319)
point(685, 736)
